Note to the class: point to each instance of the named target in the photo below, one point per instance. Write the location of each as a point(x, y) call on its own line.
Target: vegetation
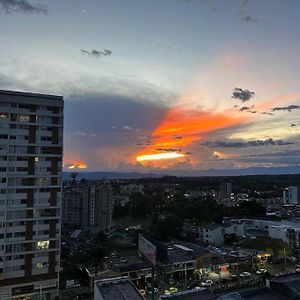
point(277, 247)
point(166, 227)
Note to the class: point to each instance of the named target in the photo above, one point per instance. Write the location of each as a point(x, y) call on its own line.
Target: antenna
point(73, 175)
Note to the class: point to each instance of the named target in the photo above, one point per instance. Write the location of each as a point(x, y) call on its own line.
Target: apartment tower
point(31, 140)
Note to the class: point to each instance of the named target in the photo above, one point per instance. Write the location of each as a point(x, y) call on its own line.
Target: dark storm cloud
point(287, 153)
point(169, 149)
point(245, 108)
point(286, 108)
point(242, 94)
point(242, 144)
point(288, 157)
point(23, 6)
point(145, 143)
point(98, 114)
point(102, 112)
point(249, 19)
point(267, 113)
point(96, 53)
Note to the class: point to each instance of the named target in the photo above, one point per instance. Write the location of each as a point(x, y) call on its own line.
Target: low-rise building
point(286, 231)
point(120, 288)
point(214, 234)
point(177, 259)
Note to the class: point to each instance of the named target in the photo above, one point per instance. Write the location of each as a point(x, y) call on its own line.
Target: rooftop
point(116, 289)
point(194, 294)
point(180, 251)
point(30, 94)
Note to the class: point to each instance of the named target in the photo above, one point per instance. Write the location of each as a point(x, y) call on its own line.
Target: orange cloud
point(182, 127)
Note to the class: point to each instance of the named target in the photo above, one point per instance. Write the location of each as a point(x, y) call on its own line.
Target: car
point(297, 270)
point(142, 292)
point(155, 291)
point(207, 283)
point(173, 290)
point(261, 271)
point(167, 292)
point(245, 274)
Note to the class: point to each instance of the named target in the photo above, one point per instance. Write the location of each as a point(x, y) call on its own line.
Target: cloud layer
point(96, 53)
point(22, 6)
point(246, 144)
point(286, 108)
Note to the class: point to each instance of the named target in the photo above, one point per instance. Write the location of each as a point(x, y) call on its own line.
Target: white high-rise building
point(291, 195)
point(31, 141)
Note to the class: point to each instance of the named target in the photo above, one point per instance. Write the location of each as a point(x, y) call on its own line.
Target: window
point(3, 115)
point(43, 244)
point(23, 118)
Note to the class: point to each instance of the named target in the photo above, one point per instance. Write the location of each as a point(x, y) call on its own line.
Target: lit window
point(41, 265)
point(3, 115)
point(23, 118)
point(36, 159)
point(43, 244)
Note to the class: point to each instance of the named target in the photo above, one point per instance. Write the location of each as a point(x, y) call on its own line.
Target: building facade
point(225, 189)
point(88, 207)
point(291, 195)
point(31, 141)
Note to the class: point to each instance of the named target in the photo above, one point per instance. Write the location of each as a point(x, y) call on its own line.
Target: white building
point(291, 195)
point(286, 231)
point(214, 234)
point(31, 133)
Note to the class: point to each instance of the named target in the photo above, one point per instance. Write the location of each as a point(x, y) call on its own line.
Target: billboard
point(147, 250)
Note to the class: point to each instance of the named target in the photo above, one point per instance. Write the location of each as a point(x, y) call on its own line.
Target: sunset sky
point(191, 84)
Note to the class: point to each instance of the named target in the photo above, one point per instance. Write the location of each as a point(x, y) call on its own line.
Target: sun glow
point(78, 166)
point(159, 156)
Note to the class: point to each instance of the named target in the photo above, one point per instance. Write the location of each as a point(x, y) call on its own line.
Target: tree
point(97, 254)
point(276, 246)
point(251, 209)
point(101, 236)
point(167, 227)
point(230, 239)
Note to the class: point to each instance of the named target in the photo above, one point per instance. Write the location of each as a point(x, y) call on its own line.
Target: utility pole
point(152, 283)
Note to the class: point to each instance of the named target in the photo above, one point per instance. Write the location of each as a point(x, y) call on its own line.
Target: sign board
point(147, 250)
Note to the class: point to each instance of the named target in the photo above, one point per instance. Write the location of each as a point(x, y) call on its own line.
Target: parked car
point(261, 271)
point(245, 274)
point(207, 283)
point(173, 290)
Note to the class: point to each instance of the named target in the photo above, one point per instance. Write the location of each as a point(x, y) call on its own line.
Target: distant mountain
point(112, 175)
point(188, 173)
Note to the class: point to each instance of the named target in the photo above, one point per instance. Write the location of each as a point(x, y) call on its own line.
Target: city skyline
point(206, 84)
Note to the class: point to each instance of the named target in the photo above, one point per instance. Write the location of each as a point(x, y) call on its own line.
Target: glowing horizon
point(159, 156)
point(79, 166)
